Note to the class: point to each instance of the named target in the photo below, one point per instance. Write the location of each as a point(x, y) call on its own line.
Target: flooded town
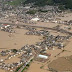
point(35, 39)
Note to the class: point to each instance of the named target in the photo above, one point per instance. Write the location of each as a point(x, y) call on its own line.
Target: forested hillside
point(65, 3)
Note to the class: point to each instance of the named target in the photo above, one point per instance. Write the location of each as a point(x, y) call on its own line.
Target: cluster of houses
point(36, 51)
point(41, 32)
point(27, 52)
point(50, 41)
point(19, 14)
point(25, 58)
point(65, 22)
point(7, 28)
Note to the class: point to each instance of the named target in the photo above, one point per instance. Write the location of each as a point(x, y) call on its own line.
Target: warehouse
point(43, 56)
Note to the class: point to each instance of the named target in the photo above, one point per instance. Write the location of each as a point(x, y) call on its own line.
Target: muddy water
point(62, 64)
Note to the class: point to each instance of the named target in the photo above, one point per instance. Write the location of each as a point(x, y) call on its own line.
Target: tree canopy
point(67, 3)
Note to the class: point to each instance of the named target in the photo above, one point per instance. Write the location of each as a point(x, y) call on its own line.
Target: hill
point(65, 3)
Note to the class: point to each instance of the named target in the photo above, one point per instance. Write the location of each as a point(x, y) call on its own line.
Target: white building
point(43, 56)
point(35, 19)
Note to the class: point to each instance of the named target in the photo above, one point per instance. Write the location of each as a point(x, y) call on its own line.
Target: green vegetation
point(18, 68)
point(41, 67)
point(24, 69)
point(43, 10)
point(67, 3)
point(31, 12)
point(44, 2)
point(39, 2)
point(27, 66)
point(16, 2)
point(31, 60)
point(14, 50)
point(61, 7)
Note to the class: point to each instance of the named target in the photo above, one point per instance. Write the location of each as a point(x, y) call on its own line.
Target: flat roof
point(43, 56)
